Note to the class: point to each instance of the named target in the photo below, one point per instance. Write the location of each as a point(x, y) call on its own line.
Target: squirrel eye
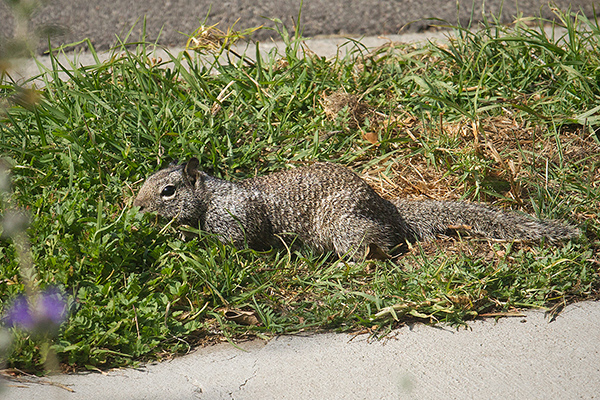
point(168, 191)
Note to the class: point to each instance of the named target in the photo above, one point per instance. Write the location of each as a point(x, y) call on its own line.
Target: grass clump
point(504, 114)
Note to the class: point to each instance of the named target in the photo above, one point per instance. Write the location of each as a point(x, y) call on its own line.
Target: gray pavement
point(170, 20)
point(511, 358)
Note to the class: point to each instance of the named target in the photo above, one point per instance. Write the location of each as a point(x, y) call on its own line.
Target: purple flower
point(42, 314)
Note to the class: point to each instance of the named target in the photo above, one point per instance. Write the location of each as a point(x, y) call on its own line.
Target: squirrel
point(324, 206)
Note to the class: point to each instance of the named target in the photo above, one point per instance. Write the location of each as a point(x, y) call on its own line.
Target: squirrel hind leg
point(366, 240)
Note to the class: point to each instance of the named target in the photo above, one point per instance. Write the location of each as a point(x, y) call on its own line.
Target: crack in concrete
point(197, 391)
point(252, 376)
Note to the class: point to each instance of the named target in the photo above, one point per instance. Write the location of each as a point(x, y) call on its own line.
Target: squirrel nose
point(138, 203)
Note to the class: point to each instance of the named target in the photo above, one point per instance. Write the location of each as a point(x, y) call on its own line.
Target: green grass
point(136, 291)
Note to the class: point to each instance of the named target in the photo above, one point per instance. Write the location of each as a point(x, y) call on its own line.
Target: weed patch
point(504, 114)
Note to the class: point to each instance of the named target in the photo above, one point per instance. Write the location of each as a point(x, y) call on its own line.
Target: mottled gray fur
point(324, 206)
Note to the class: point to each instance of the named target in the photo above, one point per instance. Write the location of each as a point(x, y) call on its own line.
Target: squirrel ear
point(190, 170)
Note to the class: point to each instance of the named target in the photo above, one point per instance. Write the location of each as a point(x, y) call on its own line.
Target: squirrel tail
point(428, 218)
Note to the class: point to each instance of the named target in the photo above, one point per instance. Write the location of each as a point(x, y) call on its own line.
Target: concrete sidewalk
point(512, 358)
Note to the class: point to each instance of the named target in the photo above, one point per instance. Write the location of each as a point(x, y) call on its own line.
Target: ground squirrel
point(324, 206)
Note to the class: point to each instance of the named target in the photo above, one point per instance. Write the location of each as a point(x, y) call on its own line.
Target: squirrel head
point(173, 192)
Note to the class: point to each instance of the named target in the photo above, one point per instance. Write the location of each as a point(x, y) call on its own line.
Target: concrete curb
point(323, 46)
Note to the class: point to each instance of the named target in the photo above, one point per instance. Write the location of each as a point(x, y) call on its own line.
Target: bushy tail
point(426, 219)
